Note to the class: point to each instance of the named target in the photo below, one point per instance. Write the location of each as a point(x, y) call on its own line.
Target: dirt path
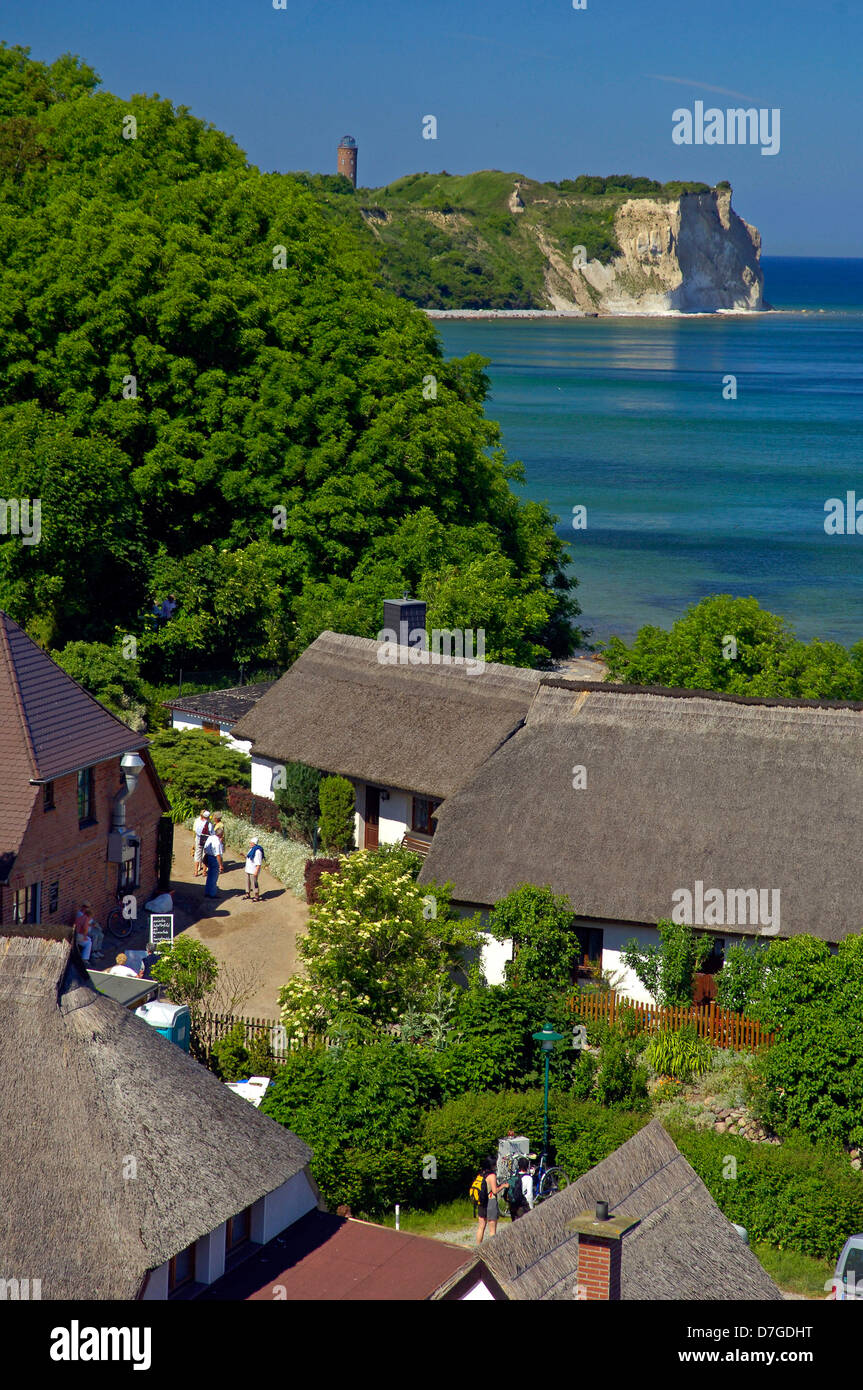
point(249, 939)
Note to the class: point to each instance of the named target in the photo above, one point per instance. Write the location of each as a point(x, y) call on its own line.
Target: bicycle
point(119, 926)
point(546, 1180)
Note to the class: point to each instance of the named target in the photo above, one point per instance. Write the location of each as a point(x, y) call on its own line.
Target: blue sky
point(531, 86)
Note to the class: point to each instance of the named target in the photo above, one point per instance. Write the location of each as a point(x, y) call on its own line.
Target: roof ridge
point(678, 692)
point(16, 691)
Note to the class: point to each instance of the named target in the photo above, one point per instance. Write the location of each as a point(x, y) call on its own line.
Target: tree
point(377, 946)
point(666, 970)
point(741, 976)
point(297, 801)
point(110, 677)
point(149, 317)
point(733, 644)
point(811, 1079)
point(338, 807)
point(542, 928)
point(188, 970)
point(196, 769)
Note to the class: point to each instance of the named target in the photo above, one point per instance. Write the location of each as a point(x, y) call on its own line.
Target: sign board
point(161, 928)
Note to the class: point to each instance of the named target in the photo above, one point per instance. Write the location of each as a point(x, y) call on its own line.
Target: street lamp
point(548, 1038)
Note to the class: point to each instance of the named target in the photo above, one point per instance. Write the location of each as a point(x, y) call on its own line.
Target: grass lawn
point(795, 1273)
point(448, 1218)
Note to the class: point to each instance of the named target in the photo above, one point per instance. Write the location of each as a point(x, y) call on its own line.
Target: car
point(847, 1281)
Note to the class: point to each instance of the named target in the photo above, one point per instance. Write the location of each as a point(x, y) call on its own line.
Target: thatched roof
point(680, 787)
point(85, 1086)
point(682, 1247)
point(422, 727)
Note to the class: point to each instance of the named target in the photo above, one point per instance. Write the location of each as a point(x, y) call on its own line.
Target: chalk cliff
point(692, 254)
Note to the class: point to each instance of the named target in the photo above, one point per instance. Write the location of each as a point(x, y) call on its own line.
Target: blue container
point(173, 1021)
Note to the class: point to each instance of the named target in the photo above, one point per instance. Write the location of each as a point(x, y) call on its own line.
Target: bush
point(297, 801)
point(196, 769)
point(285, 859)
point(541, 925)
point(187, 969)
point(338, 807)
point(230, 1057)
point(680, 1054)
point(795, 1196)
point(620, 1080)
point(257, 810)
point(312, 875)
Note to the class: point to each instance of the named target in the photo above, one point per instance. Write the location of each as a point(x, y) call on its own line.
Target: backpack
point(479, 1191)
point(515, 1192)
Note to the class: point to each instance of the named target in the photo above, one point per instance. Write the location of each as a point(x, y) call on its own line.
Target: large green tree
point(733, 644)
point(216, 341)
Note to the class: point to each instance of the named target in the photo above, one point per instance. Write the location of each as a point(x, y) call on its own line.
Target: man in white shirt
point(200, 830)
point(213, 863)
point(254, 860)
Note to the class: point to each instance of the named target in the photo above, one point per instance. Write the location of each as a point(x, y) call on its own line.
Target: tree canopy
point(733, 644)
point(204, 350)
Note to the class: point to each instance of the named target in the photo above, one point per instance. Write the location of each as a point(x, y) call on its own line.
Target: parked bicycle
point(547, 1178)
point(119, 926)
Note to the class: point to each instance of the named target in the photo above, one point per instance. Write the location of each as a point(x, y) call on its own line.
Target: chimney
point(406, 617)
point(600, 1250)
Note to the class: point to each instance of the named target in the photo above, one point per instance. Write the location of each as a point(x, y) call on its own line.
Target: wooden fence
point(721, 1027)
point(208, 1029)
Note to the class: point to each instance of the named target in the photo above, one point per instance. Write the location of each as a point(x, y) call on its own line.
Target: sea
point(703, 448)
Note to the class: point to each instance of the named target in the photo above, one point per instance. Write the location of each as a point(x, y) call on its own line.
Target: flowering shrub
point(285, 859)
point(377, 945)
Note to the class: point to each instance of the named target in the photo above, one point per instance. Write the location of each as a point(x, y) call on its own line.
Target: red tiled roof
point(325, 1257)
point(49, 726)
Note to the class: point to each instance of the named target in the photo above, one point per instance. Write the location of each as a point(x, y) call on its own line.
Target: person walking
point(517, 1192)
point(254, 860)
point(213, 851)
point(200, 830)
point(484, 1190)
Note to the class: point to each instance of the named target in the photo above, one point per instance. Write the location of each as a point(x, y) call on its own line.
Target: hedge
point(258, 810)
point(312, 875)
point(792, 1195)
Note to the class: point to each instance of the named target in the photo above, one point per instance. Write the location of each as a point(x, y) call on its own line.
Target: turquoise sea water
point(688, 494)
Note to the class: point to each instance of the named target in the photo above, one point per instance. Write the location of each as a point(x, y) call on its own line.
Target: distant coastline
point(579, 314)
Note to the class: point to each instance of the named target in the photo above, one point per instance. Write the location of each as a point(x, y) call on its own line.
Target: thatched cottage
point(129, 1171)
point(82, 811)
point(639, 804)
point(217, 712)
point(665, 1239)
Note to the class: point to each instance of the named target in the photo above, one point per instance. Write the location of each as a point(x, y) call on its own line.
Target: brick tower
point(347, 164)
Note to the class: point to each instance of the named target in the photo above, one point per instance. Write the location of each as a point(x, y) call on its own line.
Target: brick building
point(347, 159)
point(81, 805)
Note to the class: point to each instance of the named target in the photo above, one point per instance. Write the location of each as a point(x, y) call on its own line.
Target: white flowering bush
point(374, 949)
point(285, 859)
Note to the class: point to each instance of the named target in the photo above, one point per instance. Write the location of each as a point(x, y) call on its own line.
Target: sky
point(535, 87)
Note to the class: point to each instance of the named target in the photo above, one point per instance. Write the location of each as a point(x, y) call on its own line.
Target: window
point(424, 808)
point(86, 798)
point(238, 1229)
point(27, 904)
point(181, 1269)
point(53, 897)
point(48, 796)
point(130, 870)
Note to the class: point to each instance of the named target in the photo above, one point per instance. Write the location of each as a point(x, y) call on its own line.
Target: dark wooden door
point(372, 817)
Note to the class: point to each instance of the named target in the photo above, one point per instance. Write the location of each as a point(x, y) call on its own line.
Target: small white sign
point(161, 928)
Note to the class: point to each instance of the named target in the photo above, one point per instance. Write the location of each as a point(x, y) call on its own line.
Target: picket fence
point(721, 1027)
point(208, 1029)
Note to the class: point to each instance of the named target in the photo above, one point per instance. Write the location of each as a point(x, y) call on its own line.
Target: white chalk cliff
point(690, 254)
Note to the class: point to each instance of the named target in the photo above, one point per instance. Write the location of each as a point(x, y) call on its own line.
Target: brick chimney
point(600, 1250)
point(406, 618)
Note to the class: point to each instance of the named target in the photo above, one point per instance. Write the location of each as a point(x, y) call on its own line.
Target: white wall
point(614, 938)
point(478, 1290)
point(395, 814)
point(262, 777)
point(196, 721)
point(493, 958)
point(271, 1214)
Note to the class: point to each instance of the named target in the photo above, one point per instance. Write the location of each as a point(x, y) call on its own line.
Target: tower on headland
point(347, 164)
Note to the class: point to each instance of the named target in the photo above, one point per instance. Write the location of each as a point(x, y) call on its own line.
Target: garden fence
point(209, 1029)
point(720, 1027)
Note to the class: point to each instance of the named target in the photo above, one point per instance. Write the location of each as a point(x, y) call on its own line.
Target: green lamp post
point(548, 1038)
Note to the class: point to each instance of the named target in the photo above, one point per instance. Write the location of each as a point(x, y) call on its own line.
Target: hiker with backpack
point(254, 860)
point(484, 1193)
point(519, 1193)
